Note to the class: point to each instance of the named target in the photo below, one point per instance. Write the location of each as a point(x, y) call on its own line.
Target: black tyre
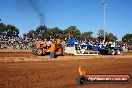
point(112, 51)
point(118, 52)
point(39, 52)
point(34, 51)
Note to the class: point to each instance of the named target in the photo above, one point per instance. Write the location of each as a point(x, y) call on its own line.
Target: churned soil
point(60, 72)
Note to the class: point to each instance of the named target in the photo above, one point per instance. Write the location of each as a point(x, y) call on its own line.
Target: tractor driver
point(58, 40)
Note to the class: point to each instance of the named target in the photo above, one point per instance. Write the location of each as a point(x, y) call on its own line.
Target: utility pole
point(104, 6)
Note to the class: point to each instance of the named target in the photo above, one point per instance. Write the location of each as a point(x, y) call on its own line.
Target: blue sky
point(86, 15)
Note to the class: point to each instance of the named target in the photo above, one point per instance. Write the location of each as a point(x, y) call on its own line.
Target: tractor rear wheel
point(39, 52)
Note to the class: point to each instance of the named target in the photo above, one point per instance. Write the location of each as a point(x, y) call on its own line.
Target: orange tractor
point(41, 48)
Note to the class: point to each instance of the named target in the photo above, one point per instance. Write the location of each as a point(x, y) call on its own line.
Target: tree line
point(44, 32)
point(71, 32)
point(8, 30)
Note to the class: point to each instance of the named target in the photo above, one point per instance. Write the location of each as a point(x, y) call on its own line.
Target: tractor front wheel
point(34, 51)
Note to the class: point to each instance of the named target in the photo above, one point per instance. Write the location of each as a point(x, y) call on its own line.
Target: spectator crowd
point(28, 43)
point(16, 42)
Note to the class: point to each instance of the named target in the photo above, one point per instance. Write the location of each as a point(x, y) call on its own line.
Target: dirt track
point(58, 73)
point(29, 54)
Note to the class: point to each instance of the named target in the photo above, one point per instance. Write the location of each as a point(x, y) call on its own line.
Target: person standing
point(52, 49)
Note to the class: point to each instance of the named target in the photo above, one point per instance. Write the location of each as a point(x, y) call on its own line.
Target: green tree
point(24, 35)
point(41, 29)
point(109, 37)
point(11, 30)
point(87, 35)
point(2, 28)
point(41, 32)
point(100, 35)
point(30, 34)
point(55, 31)
point(127, 38)
point(72, 31)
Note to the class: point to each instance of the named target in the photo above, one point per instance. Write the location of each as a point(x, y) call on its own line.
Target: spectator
point(52, 49)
